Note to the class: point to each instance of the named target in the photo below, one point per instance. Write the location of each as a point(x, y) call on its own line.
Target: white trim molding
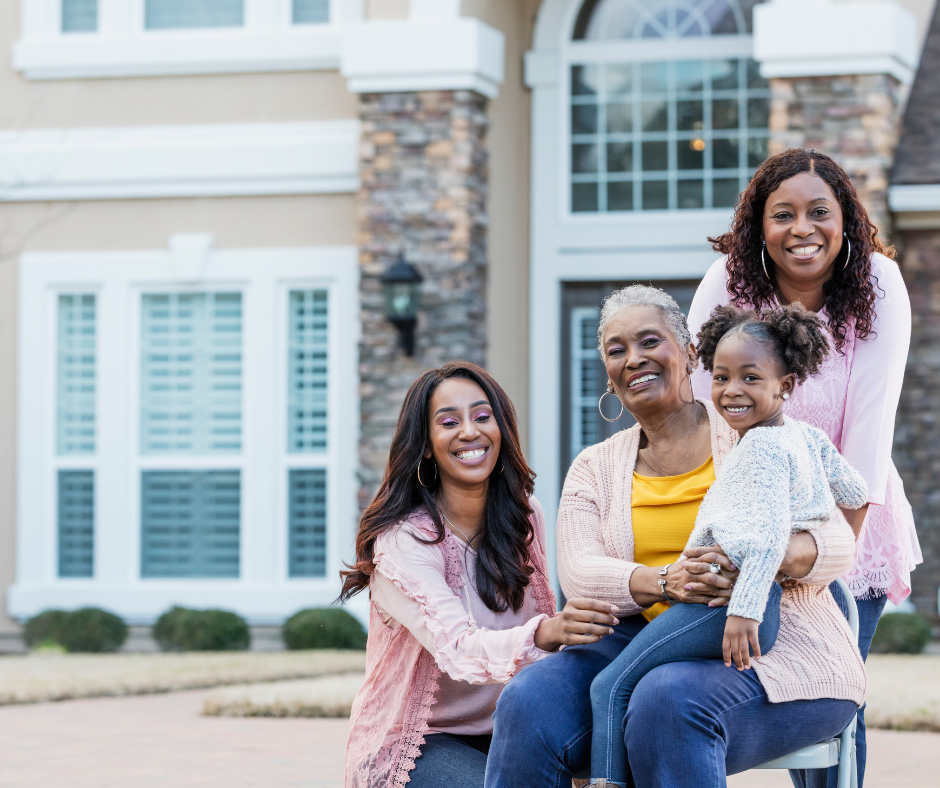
point(810, 38)
point(423, 53)
point(915, 206)
point(180, 161)
point(121, 47)
point(264, 590)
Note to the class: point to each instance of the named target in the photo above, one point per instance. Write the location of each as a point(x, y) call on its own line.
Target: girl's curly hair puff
point(850, 294)
point(795, 336)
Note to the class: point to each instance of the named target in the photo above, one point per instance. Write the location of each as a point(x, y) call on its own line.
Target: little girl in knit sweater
point(782, 477)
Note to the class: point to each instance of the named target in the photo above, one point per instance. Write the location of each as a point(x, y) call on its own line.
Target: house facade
point(198, 201)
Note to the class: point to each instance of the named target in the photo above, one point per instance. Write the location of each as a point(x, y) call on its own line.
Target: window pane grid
point(190, 524)
point(191, 373)
point(665, 136)
point(311, 12)
point(307, 371)
point(182, 14)
point(307, 522)
point(79, 16)
point(585, 369)
point(76, 523)
point(76, 375)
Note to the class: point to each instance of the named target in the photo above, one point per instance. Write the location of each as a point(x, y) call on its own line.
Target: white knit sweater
point(775, 482)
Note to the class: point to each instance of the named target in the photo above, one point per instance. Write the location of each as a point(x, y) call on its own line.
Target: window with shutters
point(75, 417)
point(679, 121)
point(310, 12)
point(186, 442)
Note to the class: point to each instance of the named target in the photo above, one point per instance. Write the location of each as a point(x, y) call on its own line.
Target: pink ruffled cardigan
point(390, 714)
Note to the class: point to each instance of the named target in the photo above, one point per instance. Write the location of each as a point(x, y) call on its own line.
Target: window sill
point(162, 54)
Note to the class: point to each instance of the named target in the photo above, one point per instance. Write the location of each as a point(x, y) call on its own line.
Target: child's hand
point(738, 633)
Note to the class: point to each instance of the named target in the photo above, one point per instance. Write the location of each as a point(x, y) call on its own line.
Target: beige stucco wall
point(387, 9)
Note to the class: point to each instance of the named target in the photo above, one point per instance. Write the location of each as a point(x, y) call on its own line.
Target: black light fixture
point(401, 284)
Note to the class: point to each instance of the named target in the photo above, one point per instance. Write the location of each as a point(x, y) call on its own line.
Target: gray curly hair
point(644, 295)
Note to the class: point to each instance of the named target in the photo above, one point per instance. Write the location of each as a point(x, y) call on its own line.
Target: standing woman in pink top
point(452, 551)
point(800, 233)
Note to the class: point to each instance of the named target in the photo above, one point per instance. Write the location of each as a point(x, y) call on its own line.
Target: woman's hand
point(582, 621)
point(698, 584)
point(739, 632)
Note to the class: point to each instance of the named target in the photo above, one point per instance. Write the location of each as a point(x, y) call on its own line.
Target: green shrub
point(182, 629)
point(87, 630)
point(901, 633)
point(323, 627)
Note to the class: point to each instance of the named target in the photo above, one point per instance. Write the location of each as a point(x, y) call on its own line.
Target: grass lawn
point(903, 692)
point(36, 678)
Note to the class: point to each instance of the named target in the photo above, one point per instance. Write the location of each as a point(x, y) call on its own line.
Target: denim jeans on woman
point(689, 724)
point(450, 760)
point(681, 634)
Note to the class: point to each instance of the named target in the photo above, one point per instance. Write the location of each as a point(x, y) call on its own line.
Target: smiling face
point(803, 231)
point(465, 438)
point(644, 361)
point(748, 384)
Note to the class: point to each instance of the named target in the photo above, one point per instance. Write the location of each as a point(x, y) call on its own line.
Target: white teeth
point(805, 251)
point(471, 455)
point(644, 379)
point(737, 410)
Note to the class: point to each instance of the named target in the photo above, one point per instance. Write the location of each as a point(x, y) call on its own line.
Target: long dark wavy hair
point(850, 293)
point(503, 566)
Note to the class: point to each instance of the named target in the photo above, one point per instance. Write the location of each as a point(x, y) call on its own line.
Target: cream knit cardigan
point(815, 655)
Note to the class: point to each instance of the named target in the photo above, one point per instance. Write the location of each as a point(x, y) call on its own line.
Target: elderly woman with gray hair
point(627, 510)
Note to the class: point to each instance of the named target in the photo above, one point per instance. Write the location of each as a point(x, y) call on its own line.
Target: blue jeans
point(869, 612)
point(449, 759)
point(688, 726)
point(681, 634)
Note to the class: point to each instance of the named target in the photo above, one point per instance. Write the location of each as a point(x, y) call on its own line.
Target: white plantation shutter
point(191, 373)
point(175, 14)
point(76, 375)
point(307, 522)
point(585, 371)
point(307, 371)
point(190, 523)
point(79, 16)
point(76, 523)
point(307, 12)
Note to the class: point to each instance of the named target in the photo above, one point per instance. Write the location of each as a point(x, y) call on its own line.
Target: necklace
point(447, 519)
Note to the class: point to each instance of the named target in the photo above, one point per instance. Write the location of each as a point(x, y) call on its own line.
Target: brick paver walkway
point(160, 741)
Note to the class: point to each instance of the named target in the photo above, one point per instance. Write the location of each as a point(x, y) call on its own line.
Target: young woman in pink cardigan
point(689, 724)
point(800, 233)
point(452, 551)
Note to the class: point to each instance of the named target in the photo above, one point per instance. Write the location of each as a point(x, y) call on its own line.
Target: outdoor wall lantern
point(401, 284)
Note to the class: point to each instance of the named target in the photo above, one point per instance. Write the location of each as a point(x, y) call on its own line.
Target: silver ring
point(715, 569)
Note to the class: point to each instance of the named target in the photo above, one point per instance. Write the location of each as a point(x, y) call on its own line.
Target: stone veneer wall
point(854, 119)
point(423, 165)
point(916, 449)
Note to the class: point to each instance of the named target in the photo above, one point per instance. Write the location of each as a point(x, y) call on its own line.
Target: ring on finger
point(715, 569)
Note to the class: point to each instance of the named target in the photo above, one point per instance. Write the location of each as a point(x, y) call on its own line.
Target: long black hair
point(503, 565)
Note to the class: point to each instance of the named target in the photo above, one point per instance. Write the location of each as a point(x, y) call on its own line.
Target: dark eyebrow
point(451, 408)
point(790, 205)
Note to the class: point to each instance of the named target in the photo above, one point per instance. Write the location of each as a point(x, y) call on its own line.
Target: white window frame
point(122, 47)
point(263, 592)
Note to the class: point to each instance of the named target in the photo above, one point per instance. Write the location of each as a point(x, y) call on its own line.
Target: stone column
point(915, 442)
point(423, 166)
point(855, 119)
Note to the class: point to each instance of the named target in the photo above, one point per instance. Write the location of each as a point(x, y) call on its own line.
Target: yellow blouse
point(664, 510)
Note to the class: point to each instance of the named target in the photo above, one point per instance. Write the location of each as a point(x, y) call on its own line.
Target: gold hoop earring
point(848, 254)
point(763, 259)
point(600, 404)
point(419, 473)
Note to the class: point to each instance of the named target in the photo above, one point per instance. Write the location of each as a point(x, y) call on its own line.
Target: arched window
point(668, 109)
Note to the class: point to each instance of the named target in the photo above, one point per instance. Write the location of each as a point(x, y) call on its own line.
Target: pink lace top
point(404, 678)
point(854, 399)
